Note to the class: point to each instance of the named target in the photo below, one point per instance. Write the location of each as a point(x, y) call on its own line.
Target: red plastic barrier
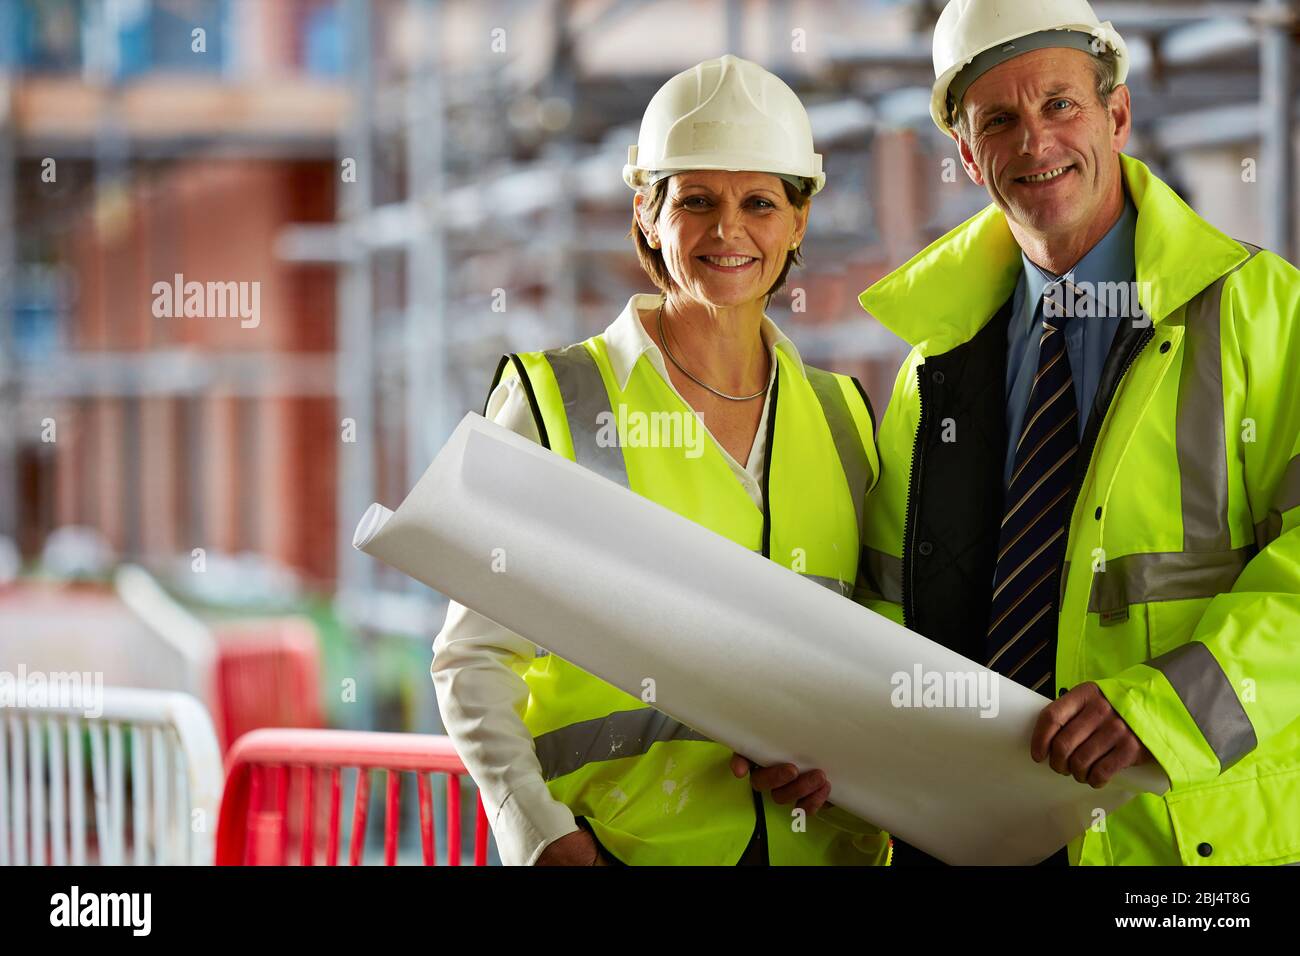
point(267, 675)
point(261, 819)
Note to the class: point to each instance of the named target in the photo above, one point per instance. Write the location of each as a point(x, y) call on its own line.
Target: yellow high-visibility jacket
point(1181, 592)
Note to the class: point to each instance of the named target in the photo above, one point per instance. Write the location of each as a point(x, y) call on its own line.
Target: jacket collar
point(947, 292)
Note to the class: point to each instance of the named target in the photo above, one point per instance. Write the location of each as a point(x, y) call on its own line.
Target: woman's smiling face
point(725, 235)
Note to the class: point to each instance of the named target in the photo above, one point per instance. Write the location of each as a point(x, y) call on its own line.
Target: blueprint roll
point(912, 736)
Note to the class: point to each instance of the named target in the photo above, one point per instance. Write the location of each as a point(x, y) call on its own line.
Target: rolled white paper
point(741, 649)
point(371, 522)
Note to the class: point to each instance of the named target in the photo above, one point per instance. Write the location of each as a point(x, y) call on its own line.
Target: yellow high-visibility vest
point(655, 791)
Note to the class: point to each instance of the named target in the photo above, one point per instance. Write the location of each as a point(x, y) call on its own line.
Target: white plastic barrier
point(183, 636)
point(173, 783)
point(133, 634)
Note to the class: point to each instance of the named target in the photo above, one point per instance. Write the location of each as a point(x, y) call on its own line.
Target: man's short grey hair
point(1105, 66)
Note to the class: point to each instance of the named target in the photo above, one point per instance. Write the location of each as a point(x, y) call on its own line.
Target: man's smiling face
point(1042, 144)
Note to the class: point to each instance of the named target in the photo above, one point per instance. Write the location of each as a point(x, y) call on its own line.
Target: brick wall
point(250, 472)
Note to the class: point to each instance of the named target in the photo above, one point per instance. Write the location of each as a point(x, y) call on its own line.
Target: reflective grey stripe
point(585, 399)
point(833, 584)
point(624, 733)
point(1207, 565)
point(1206, 692)
point(883, 574)
point(1165, 576)
point(1201, 440)
point(1286, 498)
point(844, 432)
point(1288, 492)
point(1268, 530)
point(843, 588)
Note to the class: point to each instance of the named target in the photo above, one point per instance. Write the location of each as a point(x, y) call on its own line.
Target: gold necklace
point(734, 398)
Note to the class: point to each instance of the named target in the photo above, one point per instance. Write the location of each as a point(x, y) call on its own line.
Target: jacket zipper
point(917, 464)
point(909, 525)
point(909, 516)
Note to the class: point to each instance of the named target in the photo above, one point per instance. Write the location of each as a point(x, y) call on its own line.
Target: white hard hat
point(994, 31)
point(728, 114)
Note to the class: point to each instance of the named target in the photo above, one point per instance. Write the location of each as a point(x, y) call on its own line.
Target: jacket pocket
point(1256, 820)
point(1171, 624)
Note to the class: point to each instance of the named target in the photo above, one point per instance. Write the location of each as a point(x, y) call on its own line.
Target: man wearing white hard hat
point(1090, 466)
point(770, 452)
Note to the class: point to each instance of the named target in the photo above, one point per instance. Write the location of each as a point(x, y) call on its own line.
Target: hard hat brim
point(637, 177)
point(1105, 32)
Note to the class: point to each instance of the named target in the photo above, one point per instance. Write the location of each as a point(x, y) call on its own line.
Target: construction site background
point(415, 188)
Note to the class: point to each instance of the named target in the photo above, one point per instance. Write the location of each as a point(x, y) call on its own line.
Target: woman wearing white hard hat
point(742, 437)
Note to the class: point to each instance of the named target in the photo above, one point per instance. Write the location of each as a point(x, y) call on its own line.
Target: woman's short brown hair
point(652, 260)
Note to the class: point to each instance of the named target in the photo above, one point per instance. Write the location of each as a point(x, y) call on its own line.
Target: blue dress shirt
point(1087, 337)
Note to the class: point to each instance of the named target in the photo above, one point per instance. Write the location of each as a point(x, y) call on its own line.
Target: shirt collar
point(1110, 260)
point(626, 340)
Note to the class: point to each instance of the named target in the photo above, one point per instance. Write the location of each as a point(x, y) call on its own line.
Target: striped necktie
point(1022, 630)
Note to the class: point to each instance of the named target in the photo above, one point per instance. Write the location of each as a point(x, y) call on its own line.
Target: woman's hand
point(809, 790)
point(573, 849)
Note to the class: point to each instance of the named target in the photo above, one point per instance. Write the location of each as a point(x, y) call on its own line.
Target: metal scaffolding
point(1202, 75)
point(458, 194)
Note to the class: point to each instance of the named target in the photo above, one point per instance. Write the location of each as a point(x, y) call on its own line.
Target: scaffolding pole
point(1277, 128)
point(428, 401)
point(562, 280)
point(9, 392)
point(355, 343)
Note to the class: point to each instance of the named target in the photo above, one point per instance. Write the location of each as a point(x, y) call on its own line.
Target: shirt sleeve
point(477, 671)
